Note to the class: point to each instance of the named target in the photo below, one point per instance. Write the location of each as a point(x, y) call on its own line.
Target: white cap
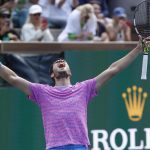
point(34, 9)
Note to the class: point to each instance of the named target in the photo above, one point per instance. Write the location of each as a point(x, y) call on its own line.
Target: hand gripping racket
point(142, 28)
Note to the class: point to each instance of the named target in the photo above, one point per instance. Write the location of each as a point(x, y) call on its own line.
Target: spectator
point(105, 21)
point(19, 14)
point(6, 33)
point(6, 8)
point(120, 28)
point(6, 13)
point(57, 11)
point(101, 32)
point(36, 28)
point(81, 24)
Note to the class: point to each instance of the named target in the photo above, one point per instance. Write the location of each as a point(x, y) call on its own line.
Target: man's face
point(61, 69)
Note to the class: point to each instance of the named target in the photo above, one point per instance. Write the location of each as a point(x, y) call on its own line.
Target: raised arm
point(117, 66)
point(12, 78)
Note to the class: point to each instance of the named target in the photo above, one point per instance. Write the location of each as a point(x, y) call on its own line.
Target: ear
point(52, 75)
point(70, 73)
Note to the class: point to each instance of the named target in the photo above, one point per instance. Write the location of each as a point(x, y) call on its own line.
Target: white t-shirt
point(29, 33)
point(74, 25)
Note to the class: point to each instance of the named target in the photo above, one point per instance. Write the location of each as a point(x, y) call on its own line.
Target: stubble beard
point(62, 75)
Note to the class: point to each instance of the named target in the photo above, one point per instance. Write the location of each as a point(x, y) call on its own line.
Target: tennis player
point(64, 106)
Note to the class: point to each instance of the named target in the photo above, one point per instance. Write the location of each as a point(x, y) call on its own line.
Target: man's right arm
point(12, 78)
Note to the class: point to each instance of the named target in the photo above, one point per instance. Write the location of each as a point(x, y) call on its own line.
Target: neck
point(36, 23)
point(62, 82)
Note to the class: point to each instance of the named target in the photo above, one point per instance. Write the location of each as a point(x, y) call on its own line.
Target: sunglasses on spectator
point(37, 14)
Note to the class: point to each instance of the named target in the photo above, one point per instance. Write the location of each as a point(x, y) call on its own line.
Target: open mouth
point(61, 65)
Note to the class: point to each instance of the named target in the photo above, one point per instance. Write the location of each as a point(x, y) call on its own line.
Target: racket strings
point(142, 18)
point(142, 27)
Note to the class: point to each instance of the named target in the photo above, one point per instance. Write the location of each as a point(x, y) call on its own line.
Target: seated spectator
point(6, 33)
point(57, 11)
point(6, 14)
point(36, 27)
point(121, 28)
point(101, 32)
point(19, 14)
point(6, 8)
point(81, 24)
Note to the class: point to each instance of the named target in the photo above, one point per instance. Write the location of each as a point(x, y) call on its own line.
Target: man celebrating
point(64, 106)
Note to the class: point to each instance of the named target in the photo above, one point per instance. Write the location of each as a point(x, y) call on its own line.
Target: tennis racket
point(142, 28)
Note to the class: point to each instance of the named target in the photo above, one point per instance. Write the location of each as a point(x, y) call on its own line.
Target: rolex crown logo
point(134, 100)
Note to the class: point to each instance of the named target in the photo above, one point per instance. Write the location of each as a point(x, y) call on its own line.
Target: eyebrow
point(59, 61)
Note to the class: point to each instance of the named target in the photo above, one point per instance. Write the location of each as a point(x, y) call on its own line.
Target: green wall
point(21, 123)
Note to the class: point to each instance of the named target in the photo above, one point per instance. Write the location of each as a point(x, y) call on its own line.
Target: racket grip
point(144, 67)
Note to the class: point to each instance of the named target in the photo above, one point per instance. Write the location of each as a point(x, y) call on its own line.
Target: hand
point(44, 24)
point(80, 36)
point(85, 36)
point(123, 25)
point(139, 45)
point(89, 36)
point(12, 37)
point(146, 44)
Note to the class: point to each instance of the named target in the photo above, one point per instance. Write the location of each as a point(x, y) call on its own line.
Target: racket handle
point(144, 67)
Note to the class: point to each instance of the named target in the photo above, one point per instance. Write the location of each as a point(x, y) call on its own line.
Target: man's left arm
point(117, 66)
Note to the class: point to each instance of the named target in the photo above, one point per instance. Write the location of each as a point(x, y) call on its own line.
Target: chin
point(62, 74)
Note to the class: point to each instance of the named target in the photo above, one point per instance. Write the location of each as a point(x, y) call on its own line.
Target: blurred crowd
point(79, 20)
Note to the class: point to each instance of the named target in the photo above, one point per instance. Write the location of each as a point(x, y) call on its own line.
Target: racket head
point(141, 23)
point(142, 19)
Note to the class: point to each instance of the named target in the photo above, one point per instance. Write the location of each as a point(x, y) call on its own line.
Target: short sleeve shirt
point(64, 111)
